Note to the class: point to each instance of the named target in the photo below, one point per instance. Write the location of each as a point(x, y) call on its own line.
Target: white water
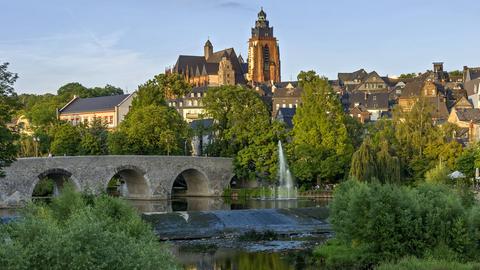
point(286, 188)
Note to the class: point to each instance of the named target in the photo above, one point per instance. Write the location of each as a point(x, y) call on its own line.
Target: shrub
point(75, 233)
point(388, 222)
point(412, 263)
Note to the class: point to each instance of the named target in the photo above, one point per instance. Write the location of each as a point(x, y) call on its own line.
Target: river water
point(281, 252)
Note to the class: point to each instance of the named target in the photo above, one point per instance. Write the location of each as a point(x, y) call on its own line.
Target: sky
point(124, 42)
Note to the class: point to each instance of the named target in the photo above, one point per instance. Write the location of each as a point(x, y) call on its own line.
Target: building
point(424, 87)
point(21, 124)
point(263, 53)
point(350, 80)
point(111, 110)
point(212, 69)
point(470, 73)
point(360, 113)
point(467, 119)
point(361, 103)
point(285, 96)
point(472, 87)
point(190, 106)
point(372, 82)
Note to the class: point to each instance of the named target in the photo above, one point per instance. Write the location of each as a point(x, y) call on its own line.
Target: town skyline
point(53, 44)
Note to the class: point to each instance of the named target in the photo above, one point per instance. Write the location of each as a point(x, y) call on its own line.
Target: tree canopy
point(151, 130)
point(8, 149)
point(243, 129)
point(163, 86)
point(321, 145)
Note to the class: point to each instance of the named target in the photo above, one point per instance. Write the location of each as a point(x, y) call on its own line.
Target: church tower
point(263, 53)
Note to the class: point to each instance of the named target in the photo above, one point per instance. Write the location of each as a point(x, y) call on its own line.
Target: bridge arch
point(59, 176)
point(130, 181)
point(194, 179)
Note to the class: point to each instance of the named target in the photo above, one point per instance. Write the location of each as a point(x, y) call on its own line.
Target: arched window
point(266, 57)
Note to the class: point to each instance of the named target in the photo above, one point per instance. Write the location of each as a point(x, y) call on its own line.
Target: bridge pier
point(145, 177)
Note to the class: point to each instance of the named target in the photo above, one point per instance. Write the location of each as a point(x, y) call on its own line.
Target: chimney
point(437, 67)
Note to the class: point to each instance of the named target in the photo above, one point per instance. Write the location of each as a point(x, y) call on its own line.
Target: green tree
point(469, 160)
point(321, 145)
point(8, 149)
point(153, 130)
point(243, 129)
point(67, 91)
point(364, 165)
point(160, 88)
point(375, 162)
point(108, 90)
point(94, 138)
point(408, 75)
point(80, 232)
point(66, 140)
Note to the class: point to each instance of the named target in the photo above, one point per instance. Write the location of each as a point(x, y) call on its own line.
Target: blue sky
point(124, 43)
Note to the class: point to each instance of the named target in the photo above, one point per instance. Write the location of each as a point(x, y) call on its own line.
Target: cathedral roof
point(199, 66)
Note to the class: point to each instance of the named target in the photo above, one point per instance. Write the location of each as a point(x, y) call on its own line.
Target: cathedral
point(226, 68)
point(263, 53)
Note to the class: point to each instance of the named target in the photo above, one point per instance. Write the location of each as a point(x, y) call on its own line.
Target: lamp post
point(36, 140)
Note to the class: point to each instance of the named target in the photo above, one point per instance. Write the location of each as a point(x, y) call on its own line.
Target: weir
point(207, 224)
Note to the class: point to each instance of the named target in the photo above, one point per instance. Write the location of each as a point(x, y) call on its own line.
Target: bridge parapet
point(150, 177)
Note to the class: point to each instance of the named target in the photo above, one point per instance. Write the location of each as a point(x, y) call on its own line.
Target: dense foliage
point(428, 264)
point(7, 104)
point(150, 130)
point(80, 232)
point(406, 148)
point(375, 222)
point(155, 91)
point(243, 129)
point(321, 145)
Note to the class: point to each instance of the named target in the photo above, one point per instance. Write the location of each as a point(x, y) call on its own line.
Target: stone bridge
point(144, 177)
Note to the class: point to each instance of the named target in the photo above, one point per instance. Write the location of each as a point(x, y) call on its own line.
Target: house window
point(277, 106)
point(290, 105)
point(189, 103)
point(284, 105)
point(192, 94)
point(110, 120)
point(195, 103)
point(374, 97)
point(180, 104)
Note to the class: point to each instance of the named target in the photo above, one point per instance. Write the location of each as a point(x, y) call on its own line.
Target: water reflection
point(219, 203)
point(228, 259)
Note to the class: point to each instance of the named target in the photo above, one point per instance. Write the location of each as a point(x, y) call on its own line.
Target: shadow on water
point(260, 255)
point(219, 203)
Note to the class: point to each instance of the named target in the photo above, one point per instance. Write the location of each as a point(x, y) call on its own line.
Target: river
point(281, 252)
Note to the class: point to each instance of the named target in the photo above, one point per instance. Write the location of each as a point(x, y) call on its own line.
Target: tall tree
point(158, 89)
point(151, 130)
point(66, 140)
point(243, 129)
point(321, 144)
point(7, 104)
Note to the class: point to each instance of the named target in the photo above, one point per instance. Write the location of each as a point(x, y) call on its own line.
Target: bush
point(388, 222)
point(412, 263)
point(76, 233)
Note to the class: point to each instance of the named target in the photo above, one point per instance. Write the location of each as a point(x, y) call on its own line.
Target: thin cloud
point(233, 5)
point(45, 66)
